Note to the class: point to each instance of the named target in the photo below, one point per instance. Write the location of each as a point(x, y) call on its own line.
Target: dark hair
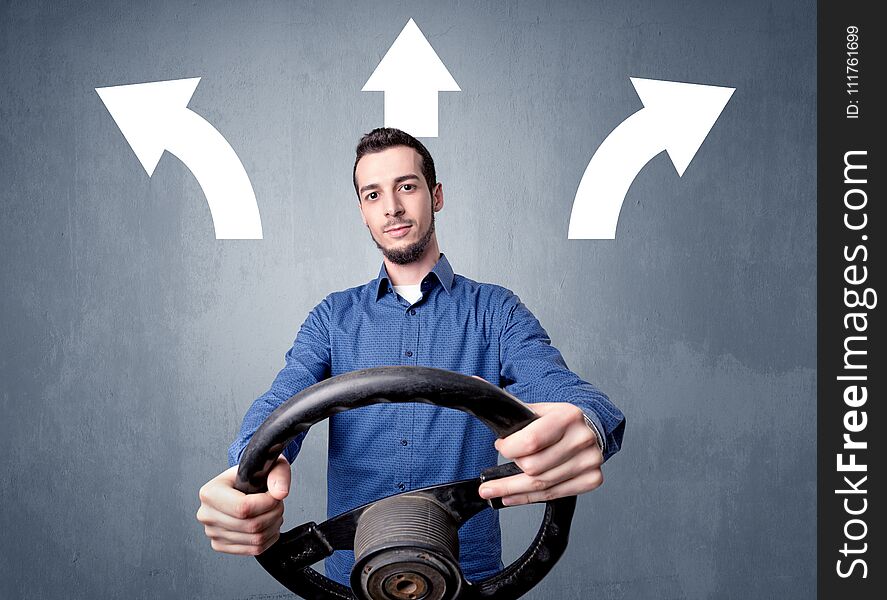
point(383, 138)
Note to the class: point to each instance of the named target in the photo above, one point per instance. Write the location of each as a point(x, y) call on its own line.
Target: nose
point(393, 206)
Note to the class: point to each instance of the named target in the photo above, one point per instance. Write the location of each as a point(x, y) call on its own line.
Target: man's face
point(396, 204)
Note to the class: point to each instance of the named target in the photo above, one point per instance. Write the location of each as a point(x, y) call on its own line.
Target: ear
point(437, 197)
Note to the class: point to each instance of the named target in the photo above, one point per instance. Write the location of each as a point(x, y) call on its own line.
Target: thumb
point(279, 479)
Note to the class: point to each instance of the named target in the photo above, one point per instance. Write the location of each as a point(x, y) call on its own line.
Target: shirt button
point(403, 442)
point(413, 311)
point(401, 486)
point(409, 352)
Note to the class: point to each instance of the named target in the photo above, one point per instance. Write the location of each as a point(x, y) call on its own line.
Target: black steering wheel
point(406, 546)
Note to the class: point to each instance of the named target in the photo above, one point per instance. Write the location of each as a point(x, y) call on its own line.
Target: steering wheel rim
point(495, 407)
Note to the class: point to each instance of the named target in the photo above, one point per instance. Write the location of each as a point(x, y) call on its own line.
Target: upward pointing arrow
point(154, 117)
point(411, 75)
point(676, 118)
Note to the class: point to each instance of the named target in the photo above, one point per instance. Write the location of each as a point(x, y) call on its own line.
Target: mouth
point(398, 231)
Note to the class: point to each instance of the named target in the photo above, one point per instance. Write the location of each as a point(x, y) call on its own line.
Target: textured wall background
point(132, 341)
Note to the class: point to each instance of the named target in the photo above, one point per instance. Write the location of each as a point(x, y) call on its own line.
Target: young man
point(418, 312)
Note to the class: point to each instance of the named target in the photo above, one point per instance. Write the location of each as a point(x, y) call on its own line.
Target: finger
point(279, 478)
point(220, 494)
point(583, 461)
point(538, 435)
point(578, 485)
point(215, 518)
point(258, 538)
point(243, 549)
point(518, 484)
point(577, 440)
point(505, 486)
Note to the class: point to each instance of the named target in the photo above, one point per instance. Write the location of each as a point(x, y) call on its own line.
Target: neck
point(414, 272)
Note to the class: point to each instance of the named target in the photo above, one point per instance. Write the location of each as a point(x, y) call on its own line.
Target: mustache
point(393, 224)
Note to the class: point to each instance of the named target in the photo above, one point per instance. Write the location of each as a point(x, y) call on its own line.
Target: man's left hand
point(558, 454)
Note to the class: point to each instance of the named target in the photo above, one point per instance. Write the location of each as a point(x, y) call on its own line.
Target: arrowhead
point(411, 62)
point(684, 113)
point(144, 111)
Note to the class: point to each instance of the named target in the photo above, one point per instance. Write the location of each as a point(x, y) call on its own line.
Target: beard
point(410, 253)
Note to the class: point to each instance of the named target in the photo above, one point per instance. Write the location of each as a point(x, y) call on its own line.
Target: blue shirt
point(375, 451)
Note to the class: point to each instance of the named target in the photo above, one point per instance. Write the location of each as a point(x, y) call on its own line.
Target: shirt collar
point(442, 270)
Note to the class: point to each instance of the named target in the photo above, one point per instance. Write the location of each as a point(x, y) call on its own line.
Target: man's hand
point(239, 523)
point(558, 454)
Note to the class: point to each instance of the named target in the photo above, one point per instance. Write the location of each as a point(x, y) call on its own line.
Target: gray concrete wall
point(132, 341)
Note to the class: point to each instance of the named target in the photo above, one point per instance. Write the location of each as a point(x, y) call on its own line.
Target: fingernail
point(279, 485)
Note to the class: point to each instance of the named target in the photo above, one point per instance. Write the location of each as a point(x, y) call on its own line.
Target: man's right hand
point(239, 523)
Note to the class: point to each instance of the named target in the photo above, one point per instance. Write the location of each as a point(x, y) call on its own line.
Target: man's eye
point(372, 195)
point(407, 187)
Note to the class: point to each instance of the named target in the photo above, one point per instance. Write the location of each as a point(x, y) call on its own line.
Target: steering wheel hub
point(406, 548)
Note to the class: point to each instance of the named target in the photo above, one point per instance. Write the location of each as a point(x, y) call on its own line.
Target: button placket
point(409, 355)
point(410, 341)
point(401, 450)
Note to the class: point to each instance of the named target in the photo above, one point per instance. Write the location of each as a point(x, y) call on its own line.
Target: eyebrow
point(400, 179)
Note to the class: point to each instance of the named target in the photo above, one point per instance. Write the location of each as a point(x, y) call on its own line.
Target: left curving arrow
point(154, 117)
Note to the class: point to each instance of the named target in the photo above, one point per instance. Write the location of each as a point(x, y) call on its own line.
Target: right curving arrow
point(676, 118)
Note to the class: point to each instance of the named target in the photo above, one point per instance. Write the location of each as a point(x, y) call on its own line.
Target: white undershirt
point(410, 293)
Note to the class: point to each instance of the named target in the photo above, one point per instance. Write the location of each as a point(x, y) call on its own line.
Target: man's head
point(397, 193)
point(382, 138)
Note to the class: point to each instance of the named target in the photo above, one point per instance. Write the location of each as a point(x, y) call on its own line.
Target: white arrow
point(154, 117)
point(411, 74)
point(676, 118)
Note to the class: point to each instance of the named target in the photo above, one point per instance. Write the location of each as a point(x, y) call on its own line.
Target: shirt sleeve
point(534, 371)
point(307, 362)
